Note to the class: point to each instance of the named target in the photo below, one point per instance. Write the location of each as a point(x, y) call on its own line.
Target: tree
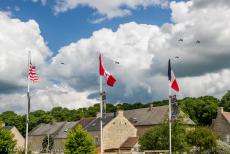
point(201, 110)
point(12, 119)
point(203, 138)
point(225, 101)
point(157, 138)
point(47, 140)
point(79, 142)
point(7, 143)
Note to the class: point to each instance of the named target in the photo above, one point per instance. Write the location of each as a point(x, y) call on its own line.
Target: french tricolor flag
point(172, 78)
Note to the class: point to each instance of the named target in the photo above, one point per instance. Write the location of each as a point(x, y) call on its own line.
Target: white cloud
point(43, 2)
point(16, 39)
point(108, 9)
point(142, 50)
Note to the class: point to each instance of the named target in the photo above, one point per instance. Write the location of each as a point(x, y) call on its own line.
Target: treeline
point(201, 110)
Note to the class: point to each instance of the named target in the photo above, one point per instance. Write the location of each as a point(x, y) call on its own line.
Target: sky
point(141, 34)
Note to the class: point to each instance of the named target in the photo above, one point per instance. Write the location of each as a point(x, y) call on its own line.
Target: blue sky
point(77, 23)
point(141, 34)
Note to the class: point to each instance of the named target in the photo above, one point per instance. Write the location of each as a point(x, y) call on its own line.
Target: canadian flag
point(172, 78)
point(109, 77)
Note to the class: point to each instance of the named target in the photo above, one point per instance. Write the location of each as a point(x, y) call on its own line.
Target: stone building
point(60, 137)
point(116, 130)
point(145, 118)
point(56, 131)
point(221, 125)
point(20, 141)
point(37, 135)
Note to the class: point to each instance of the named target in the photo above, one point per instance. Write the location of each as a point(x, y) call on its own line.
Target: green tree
point(157, 138)
point(12, 119)
point(201, 110)
point(7, 143)
point(47, 140)
point(225, 101)
point(203, 138)
point(79, 142)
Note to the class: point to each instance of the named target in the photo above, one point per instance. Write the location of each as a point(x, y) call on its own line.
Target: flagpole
point(170, 131)
point(28, 106)
point(101, 105)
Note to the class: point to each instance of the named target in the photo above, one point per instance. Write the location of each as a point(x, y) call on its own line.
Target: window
point(96, 140)
point(228, 138)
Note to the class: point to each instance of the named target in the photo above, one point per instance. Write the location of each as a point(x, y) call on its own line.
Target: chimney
point(220, 110)
point(120, 113)
point(151, 107)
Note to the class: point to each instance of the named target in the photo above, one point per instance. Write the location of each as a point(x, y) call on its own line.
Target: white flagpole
point(101, 105)
point(170, 131)
point(28, 106)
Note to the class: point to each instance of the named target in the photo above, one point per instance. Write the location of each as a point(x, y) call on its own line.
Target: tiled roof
point(59, 129)
point(85, 121)
point(44, 129)
point(62, 133)
point(130, 142)
point(95, 124)
point(145, 116)
point(153, 116)
point(226, 116)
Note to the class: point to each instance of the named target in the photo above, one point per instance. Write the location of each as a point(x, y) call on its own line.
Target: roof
point(226, 116)
point(95, 124)
point(85, 121)
point(59, 129)
point(130, 142)
point(44, 129)
point(147, 116)
point(153, 116)
point(62, 133)
point(8, 127)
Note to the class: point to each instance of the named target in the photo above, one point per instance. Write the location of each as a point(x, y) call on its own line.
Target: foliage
point(225, 101)
point(201, 110)
point(157, 138)
point(203, 138)
point(12, 119)
point(45, 142)
point(222, 147)
point(7, 143)
point(78, 142)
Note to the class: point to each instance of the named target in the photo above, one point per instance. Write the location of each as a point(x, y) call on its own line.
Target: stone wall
point(117, 131)
point(220, 125)
point(19, 138)
point(35, 143)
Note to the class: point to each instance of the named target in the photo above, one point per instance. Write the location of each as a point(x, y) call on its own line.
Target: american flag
point(32, 73)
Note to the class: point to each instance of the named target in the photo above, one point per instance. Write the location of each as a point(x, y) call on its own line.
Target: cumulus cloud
point(16, 39)
point(142, 50)
point(108, 9)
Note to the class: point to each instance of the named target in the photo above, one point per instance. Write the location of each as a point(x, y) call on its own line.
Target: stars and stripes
point(32, 73)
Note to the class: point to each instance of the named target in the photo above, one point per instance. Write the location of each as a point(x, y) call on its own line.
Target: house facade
point(221, 125)
point(145, 118)
point(116, 130)
point(56, 131)
point(20, 140)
